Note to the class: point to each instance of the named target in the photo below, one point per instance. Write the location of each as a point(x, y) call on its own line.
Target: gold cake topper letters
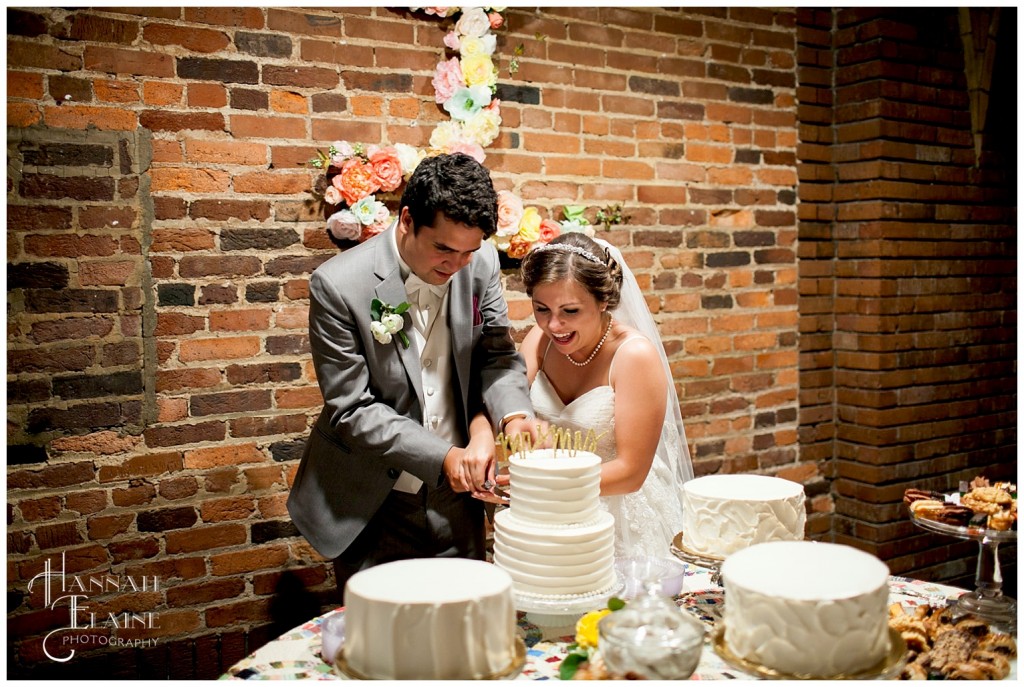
point(557, 438)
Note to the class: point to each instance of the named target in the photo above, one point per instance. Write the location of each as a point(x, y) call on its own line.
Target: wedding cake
point(725, 513)
point(429, 619)
point(807, 608)
point(554, 539)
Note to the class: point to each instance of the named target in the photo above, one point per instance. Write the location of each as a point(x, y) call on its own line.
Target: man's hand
point(468, 470)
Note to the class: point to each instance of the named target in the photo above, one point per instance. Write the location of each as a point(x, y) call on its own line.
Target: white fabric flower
point(445, 135)
point(409, 157)
point(380, 332)
point(473, 22)
point(473, 45)
point(392, 323)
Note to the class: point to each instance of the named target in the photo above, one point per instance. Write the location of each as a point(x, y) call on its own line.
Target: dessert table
point(295, 655)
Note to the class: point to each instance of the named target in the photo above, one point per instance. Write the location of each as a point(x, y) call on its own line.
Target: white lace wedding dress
point(645, 520)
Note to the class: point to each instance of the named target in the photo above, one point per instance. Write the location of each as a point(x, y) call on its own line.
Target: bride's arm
point(640, 396)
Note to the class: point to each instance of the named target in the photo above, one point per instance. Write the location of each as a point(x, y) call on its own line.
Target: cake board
point(557, 616)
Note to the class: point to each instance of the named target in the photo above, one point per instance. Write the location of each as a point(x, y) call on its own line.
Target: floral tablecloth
point(295, 655)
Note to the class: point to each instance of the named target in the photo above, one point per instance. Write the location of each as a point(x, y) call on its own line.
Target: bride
point(595, 361)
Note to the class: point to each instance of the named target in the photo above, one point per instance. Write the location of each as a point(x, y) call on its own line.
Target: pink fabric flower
point(356, 180)
point(447, 79)
point(549, 230)
point(496, 20)
point(332, 196)
point(344, 226)
point(372, 230)
point(387, 169)
point(510, 211)
point(451, 40)
point(474, 150)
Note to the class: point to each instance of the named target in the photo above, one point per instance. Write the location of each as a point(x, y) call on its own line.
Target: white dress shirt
point(428, 308)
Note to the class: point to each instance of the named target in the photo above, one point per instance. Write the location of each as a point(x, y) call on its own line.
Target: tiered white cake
point(430, 619)
point(554, 539)
point(725, 513)
point(807, 608)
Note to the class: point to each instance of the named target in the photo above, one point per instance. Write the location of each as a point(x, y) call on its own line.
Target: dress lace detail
point(645, 520)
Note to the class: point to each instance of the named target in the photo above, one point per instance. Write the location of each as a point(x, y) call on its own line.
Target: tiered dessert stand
point(987, 601)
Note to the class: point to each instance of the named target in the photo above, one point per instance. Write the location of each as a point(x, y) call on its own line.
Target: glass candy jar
point(650, 638)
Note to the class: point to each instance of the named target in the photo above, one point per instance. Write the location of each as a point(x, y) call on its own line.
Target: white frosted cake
point(554, 539)
point(429, 619)
point(725, 513)
point(807, 608)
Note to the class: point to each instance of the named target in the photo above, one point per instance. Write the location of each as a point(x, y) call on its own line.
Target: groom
point(388, 470)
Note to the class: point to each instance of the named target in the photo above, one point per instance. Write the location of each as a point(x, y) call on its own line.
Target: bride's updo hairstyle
point(578, 257)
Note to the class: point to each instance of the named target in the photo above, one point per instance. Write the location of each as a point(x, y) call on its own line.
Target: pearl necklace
point(593, 352)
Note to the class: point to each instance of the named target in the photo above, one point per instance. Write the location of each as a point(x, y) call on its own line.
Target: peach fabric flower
point(518, 247)
point(549, 230)
point(356, 180)
point(496, 20)
point(387, 169)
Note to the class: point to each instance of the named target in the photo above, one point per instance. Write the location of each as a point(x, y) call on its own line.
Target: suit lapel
point(391, 290)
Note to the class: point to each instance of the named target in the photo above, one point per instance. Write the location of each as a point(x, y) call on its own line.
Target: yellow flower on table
point(586, 628)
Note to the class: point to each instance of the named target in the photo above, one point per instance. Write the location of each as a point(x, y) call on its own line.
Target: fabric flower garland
point(464, 86)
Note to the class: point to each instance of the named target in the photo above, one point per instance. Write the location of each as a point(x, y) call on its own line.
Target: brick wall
point(161, 234)
point(907, 273)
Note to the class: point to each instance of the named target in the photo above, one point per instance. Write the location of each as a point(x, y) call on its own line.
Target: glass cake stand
point(712, 563)
point(557, 616)
point(987, 601)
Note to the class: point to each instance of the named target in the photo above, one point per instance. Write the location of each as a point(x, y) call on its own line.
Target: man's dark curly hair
point(456, 185)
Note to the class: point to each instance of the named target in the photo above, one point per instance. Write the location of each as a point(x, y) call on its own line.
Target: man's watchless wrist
point(510, 417)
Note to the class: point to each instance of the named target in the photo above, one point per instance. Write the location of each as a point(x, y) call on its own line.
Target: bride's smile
point(569, 315)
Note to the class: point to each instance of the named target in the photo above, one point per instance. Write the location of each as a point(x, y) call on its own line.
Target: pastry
point(964, 649)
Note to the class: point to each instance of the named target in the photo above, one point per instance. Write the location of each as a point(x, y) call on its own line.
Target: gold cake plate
point(346, 672)
point(886, 669)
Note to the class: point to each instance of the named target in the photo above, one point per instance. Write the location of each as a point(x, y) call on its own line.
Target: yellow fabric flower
point(478, 70)
point(529, 225)
point(586, 628)
point(445, 135)
point(483, 127)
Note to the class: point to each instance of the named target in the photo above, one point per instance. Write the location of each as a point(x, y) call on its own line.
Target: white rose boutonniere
point(388, 321)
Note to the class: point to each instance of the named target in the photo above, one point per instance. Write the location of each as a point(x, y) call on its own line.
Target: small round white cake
point(554, 539)
point(430, 619)
point(725, 513)
point(807, 608)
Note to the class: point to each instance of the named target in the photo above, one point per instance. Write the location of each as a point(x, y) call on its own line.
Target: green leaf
point(616, 604)
point(401, 308)
point(570, 664)
point(403, 338)
point(376, 309)
point(572, 212)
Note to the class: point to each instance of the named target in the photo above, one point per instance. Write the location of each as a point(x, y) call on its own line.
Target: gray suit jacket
point(371, 428)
